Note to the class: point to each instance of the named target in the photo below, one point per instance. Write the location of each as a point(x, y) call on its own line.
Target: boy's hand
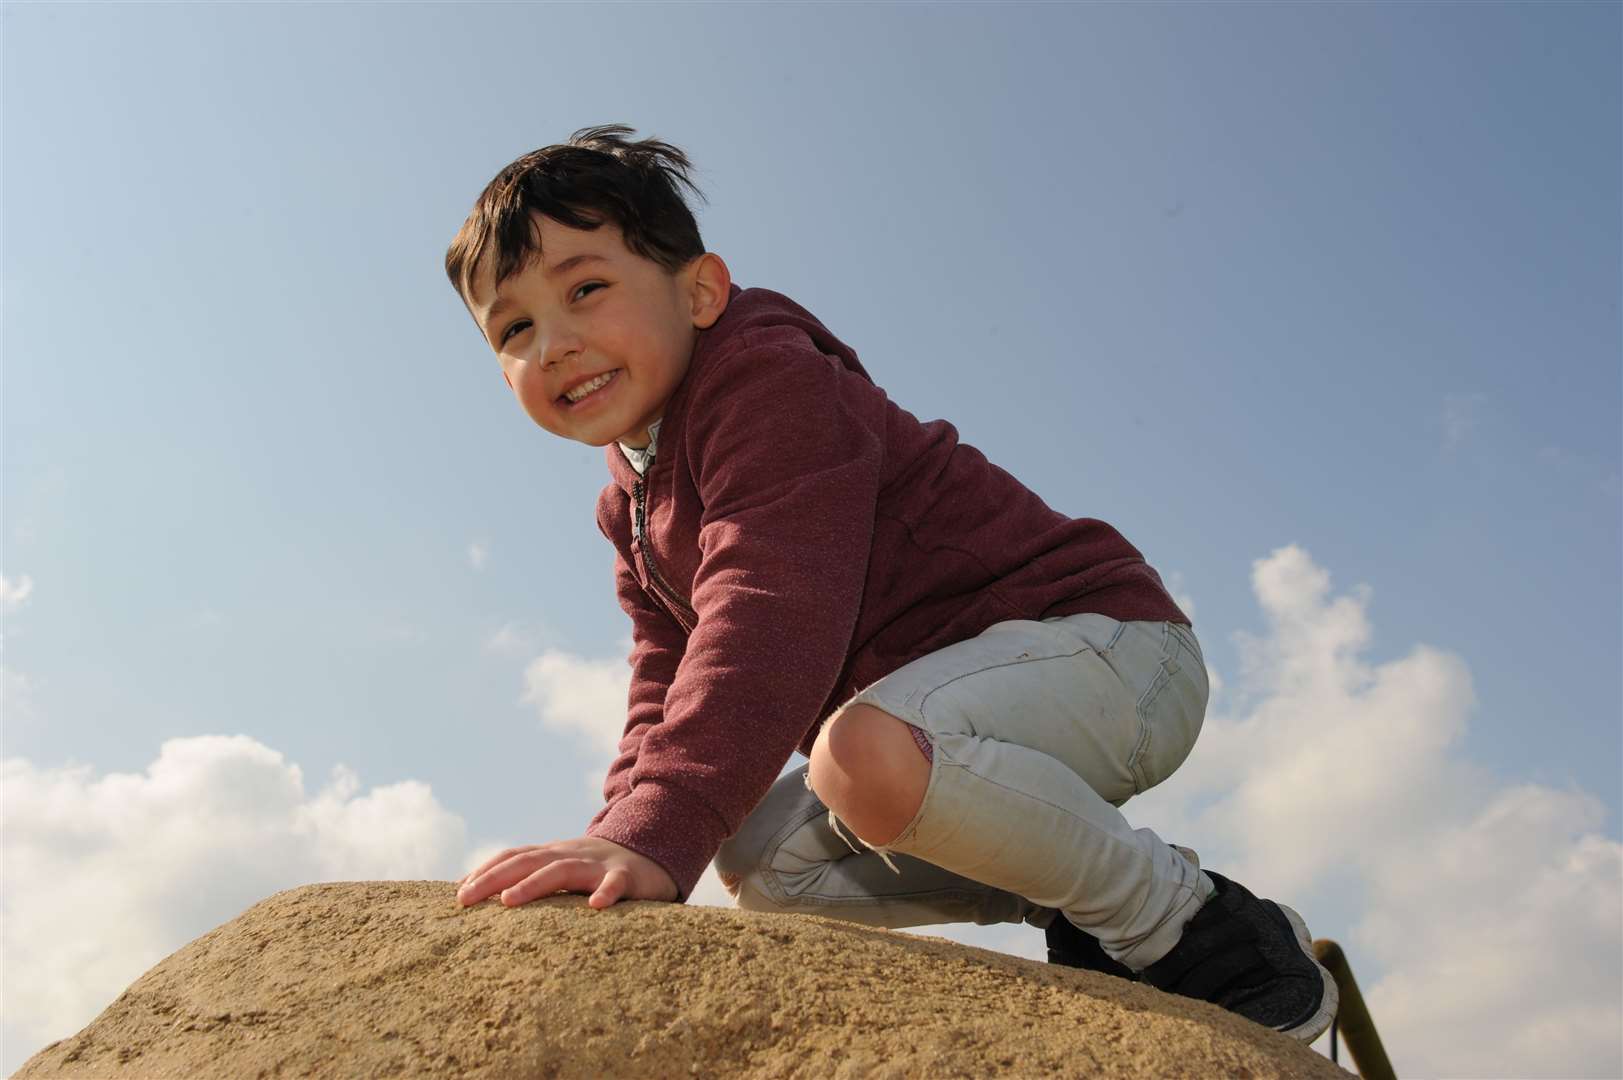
point(609, 872)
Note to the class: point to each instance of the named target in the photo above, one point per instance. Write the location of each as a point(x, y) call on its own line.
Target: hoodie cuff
point(666, 824)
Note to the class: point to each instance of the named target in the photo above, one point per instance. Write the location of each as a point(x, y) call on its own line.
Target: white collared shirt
point(641, 459)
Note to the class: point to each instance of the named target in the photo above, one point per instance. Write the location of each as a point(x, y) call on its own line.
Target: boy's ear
point(709, 284)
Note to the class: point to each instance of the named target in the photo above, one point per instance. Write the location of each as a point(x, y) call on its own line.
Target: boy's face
point(592, 337)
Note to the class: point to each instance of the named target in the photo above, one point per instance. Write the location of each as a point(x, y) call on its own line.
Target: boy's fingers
point(502, 870)
point(493, 877)
point(497, 859)
point(615, 884)
point(565, 875)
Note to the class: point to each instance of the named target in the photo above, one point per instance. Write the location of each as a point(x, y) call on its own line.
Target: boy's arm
point(787, 452)
point(609, 873)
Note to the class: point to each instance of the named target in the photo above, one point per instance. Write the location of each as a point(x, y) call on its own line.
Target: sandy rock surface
point(392, 978)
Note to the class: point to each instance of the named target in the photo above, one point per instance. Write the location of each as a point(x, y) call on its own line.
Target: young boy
point(978, 681)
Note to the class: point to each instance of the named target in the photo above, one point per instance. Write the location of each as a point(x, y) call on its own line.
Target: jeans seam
point(1158, 685)
point(1146, 733)
point(993, 667)
point(1187, 637)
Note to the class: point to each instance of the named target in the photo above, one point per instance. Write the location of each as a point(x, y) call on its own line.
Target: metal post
point(1352, 1019)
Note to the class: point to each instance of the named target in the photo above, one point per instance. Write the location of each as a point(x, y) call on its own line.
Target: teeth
point(587, 387)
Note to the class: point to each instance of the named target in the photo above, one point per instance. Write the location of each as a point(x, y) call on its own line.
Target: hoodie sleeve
point(786, 449)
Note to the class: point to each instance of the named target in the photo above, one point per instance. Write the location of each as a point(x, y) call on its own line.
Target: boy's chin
point(602, 433)
point(590, 441)
point(596, 440)
point(589, 438)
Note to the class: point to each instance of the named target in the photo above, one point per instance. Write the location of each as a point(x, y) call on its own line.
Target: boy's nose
point(557, 352)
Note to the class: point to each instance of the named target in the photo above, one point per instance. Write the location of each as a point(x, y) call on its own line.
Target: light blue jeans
point(1038, 732)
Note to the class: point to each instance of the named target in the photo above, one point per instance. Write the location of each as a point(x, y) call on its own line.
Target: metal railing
point(1352, 1020)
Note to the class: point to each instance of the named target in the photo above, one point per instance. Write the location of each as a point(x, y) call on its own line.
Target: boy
point(978, 681)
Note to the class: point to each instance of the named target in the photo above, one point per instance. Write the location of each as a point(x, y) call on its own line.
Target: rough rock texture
point(392, 978)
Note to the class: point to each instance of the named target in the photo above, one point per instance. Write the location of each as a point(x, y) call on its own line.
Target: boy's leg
point(787, 856)
point(1038, 731)
point(1034, 740)
point(1011, 804)
point(1111, 709)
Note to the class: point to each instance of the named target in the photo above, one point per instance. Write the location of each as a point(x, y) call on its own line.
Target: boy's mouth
point(583, 390)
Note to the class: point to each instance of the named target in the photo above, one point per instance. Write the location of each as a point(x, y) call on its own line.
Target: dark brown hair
point(597, 176)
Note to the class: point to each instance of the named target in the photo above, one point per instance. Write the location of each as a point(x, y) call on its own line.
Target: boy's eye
point(522, 323)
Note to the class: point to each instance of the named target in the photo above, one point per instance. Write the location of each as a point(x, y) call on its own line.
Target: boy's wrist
point(664, 825)
point(656, 882)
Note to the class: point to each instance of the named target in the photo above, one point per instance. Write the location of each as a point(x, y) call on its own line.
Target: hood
point(747, 310)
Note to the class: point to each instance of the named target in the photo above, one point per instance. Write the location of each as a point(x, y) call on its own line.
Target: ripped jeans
point(1037, 732)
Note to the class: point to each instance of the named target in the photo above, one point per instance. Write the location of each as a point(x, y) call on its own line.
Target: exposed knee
point(866, 767)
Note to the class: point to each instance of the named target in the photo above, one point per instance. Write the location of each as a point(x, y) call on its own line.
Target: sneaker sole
point(1315, 1025)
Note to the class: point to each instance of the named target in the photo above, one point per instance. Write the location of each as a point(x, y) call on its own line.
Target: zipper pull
point(636, 494)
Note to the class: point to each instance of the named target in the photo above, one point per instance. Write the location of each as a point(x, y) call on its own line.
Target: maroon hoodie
point(797, 537)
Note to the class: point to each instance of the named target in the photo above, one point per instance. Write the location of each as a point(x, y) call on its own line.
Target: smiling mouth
point(576, 395)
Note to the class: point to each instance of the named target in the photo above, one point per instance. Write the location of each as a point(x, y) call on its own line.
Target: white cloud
point(1489, 939)
point(1502, 936)
point(16, 696)
point(16, 688)
point(586, 699)
point(104, 876)
point(1462, 414)
point(14, 592)
point(513, 639)
point(580, 697)
point(477, 553)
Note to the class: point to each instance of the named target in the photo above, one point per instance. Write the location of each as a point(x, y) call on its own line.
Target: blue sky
point(1319, 305)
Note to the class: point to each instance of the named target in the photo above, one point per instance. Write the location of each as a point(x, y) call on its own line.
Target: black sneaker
point(1071, 947)
point(1254, 958)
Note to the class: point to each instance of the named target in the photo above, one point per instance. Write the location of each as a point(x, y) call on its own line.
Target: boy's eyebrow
point(572, 262)
point(568, 264)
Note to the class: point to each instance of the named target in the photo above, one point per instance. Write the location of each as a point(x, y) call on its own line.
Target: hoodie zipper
point(679, 608)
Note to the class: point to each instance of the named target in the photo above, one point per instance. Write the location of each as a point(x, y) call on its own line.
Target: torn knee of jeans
point(730, 882)
point(884, 854)
point(881, 850)
point(922, 740)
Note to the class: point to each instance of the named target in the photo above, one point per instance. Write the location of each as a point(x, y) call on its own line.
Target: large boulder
point(392, 978)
